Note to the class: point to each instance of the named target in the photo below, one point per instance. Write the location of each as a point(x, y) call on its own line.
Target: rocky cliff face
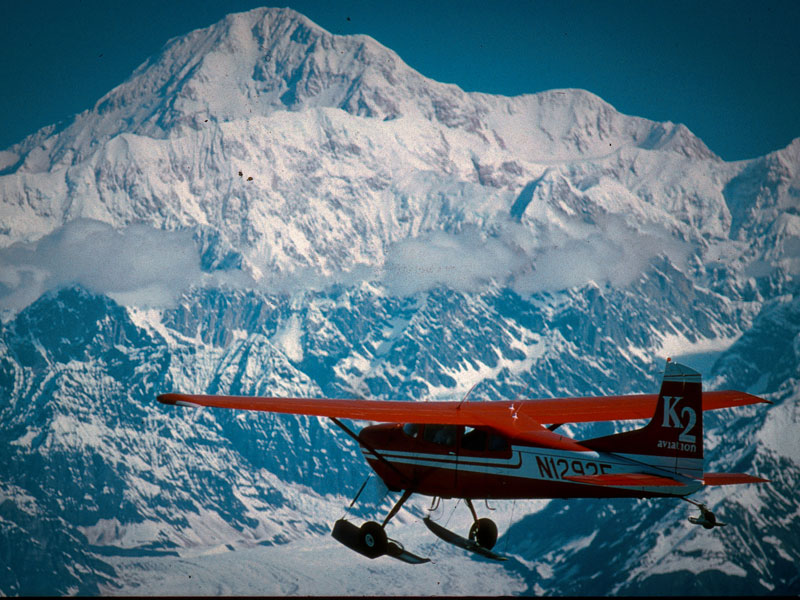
point(266, 208)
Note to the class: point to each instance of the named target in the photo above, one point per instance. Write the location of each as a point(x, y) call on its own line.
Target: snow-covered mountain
point(266, 208)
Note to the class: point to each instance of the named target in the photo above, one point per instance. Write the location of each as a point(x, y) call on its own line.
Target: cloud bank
point(137, 265)
point(147, 267)
point(550, 259)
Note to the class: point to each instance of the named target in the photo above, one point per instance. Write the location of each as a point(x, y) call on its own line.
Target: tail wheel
point(484, 532)
point(373, 539)
point(709, 518)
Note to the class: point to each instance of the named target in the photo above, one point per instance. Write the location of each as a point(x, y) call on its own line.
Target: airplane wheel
point(373, 539)
point(484, 531)
point(710, 519)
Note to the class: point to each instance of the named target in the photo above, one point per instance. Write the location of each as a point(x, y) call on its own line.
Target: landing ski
point(349, 534)
point(395, 550)
point(462, 542)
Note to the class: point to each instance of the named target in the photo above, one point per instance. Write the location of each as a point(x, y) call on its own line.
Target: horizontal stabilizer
point(731, 478)
point(627, 480)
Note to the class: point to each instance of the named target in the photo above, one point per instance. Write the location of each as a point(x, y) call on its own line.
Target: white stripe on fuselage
point(546, 464)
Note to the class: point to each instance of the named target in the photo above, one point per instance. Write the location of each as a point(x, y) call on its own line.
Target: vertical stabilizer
point(673, 439)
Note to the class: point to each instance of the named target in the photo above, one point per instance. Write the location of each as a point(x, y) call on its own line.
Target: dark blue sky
point(729, 70)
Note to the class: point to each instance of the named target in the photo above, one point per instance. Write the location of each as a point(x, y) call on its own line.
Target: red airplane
point(510, 450)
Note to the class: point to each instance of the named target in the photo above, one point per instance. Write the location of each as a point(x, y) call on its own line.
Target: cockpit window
point(444, 435)
point(474, 439)
point(497, 442)
point(411, 429)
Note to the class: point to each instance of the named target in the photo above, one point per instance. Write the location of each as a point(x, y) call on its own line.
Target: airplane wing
point(443, 413)
point(622, 408)
point(501, 414)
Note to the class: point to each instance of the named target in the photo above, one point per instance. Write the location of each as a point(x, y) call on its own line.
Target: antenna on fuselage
point(524, 390)
point(464, 399)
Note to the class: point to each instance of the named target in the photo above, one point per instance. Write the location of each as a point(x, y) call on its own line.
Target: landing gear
point(707, 518)
point(483, 531)
point(371, 540)
point(482, 535)
point(372, 537)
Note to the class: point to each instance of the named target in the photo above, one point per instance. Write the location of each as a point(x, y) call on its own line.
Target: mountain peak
point(255, 63)
point(248, 64)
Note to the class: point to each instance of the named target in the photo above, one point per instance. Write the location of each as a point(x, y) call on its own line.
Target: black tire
point(711, 518)
point(373, 539)
point(484, 532)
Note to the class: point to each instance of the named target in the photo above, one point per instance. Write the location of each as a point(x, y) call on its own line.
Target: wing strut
point(358, 439)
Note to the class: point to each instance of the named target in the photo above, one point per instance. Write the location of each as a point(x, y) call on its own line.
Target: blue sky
point(729, 70)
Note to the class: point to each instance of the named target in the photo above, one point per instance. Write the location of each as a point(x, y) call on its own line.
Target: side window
point(444, 435)
point(411, 429)
point(474, 439)
point(497, 442)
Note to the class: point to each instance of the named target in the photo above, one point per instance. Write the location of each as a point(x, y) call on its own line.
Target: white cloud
point(551, 258)
point(137, 265)
point(466, 261)
point(610, 251)
point(143, 266)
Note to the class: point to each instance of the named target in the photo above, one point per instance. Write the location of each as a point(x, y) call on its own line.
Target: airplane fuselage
point(458, 462)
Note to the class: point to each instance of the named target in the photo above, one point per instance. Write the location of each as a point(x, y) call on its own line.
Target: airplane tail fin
point(673, 438)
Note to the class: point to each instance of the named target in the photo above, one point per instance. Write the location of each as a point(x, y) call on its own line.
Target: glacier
point(267, 208)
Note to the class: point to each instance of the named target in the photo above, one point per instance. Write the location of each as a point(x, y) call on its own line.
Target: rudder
point(673, 438)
